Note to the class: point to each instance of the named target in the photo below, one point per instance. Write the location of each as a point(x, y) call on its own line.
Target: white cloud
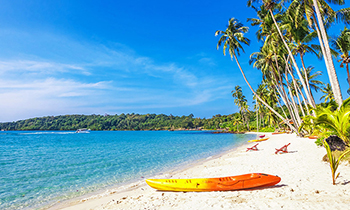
point(32, 66)
point(91, 78)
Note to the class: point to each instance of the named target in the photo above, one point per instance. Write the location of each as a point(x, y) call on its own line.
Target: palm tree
point(271, 5)
point(241, 102)
point(299, 33)
point(316, 12)
point(313, 82)
point(342, 44)
point(237, 94)
point(269, 61)
point(237, 120)
point(328, 93)
point(262, 92)
point(231, 39)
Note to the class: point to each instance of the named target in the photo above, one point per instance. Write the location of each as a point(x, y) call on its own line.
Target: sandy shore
point(306, 182)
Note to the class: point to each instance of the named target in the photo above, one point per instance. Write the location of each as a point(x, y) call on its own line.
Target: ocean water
point(38, 168)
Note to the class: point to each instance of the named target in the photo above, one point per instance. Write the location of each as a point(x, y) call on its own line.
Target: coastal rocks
point(335, 143)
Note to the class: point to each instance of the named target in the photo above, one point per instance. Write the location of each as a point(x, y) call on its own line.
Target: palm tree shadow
point(345, 183)
point(250, 189)
point(263, 188)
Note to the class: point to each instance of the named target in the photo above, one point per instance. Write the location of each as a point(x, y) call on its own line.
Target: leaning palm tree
point(231, 40)
point(342, 44)
point(318, 14)
point(298, 32)
point(272, 5)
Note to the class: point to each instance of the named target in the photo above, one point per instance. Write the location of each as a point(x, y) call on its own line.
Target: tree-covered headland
point(127, 122)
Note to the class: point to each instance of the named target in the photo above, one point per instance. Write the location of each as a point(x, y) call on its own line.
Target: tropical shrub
point(337, 121)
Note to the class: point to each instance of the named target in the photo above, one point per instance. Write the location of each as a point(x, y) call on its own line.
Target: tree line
point(128, 122)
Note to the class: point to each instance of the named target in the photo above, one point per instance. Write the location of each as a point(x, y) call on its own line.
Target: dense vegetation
point(130, 122)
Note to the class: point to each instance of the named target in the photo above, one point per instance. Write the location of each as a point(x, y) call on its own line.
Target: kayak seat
point(282, 149)
point(253, 148)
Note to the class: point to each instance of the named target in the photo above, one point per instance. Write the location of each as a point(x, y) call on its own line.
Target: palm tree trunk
point(307, 80)
point(304, 99)
point(286, 102)
point(296, 92)
point(347, 69)
point(291, 95)
point(263, 102)
point(296, 86)
point(296, 112)
point(320, 39)
point(278, 101)
point(292, 57)
point(331, 70)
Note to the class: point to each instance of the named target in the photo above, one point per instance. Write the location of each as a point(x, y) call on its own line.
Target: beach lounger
point(253, 148)
point(282, 149)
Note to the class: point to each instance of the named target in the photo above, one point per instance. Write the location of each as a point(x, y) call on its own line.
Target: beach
point(306, 182)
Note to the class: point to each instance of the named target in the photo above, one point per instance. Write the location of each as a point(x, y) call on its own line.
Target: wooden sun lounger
point(253, 148)
point(282, 149)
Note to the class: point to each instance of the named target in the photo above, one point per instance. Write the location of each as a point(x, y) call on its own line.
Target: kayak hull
point(256, 140)
point(278, 133)
point(240, 182)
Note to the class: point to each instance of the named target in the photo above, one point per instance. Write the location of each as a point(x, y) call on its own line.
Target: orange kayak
point(278, 133)
point(313, 137)
point(215, 184)
point(255, 140)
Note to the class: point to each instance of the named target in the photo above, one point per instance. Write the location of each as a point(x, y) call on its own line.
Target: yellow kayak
point(263, 139)
point(239, 182)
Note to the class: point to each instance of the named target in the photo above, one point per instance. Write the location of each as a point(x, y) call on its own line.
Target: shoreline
point(138, 183)
point(306, 182)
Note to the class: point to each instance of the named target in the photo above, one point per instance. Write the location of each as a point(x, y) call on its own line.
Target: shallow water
point(38, 168)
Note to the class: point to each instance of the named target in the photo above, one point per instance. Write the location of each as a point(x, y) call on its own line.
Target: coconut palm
point(237, 120)
point(269, 61)
point(317, 13)
point(241, 102)
point(298, 32)
point(312, 76)
point(237, 94)
point(328, 93)
point(262, 92)
point(231, 40)
point(342, 44)
point(314, 83)
point(271, 5)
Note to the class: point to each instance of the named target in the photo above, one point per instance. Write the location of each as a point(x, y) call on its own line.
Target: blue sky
point(96, 57)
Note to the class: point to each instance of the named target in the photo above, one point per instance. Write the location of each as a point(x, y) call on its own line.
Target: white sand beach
point(306, 182)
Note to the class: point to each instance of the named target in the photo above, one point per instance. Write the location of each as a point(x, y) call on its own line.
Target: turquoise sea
point(39, 168)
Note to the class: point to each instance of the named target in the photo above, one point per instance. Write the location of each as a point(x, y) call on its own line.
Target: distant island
point(128, 122)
